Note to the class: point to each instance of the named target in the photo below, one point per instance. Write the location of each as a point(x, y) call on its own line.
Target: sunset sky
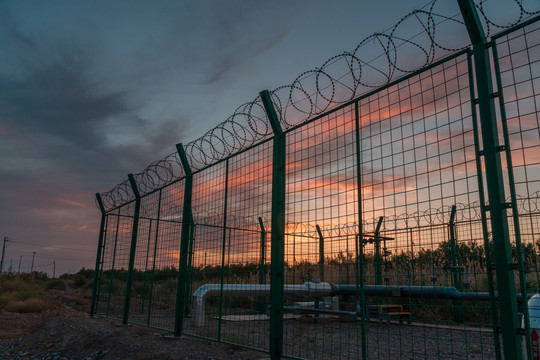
point(92, 91)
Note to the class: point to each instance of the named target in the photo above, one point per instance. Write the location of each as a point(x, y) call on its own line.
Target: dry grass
point(32, 305)
point(14, 290)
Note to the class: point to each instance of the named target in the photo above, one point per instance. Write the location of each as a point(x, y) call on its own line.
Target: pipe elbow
point(203, 290)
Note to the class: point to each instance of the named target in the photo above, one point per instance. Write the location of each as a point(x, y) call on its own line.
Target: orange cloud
point(173, 254)
point(70, 202)
point(83, 228)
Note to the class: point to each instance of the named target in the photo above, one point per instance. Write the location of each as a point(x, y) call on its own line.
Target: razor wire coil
point(315, 92)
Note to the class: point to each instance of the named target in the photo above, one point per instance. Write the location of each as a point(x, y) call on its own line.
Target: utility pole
point(20, 260)
point(10, 268)
point(32, 267)
point(54, 270)
point(6, 241)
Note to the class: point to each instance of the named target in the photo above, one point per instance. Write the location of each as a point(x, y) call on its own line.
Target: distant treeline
point(469, 254)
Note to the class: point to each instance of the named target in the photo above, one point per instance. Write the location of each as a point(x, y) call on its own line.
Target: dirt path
point(65, 331)
point(14, 325)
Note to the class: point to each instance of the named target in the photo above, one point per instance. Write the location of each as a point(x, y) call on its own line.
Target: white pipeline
point(209, 290)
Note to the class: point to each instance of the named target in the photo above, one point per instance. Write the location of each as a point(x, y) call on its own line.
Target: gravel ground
point(65, 331)
point(71, 338)
point(332, 338)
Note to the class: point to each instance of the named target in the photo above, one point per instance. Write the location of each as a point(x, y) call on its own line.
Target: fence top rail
point(465, 213)
point(305, 100)
point(519, 26)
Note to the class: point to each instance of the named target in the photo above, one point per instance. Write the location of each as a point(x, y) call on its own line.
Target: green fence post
point(510, 327)
point(483, 216)
point(184, 243)
point(347, 261)
point(411, 264)
point(453, 250)
point(278, 229)
point(223, 247)
point(361, 298)
point(321, 253)
point(100, 273)
point(146, 265)
point(154, 260)
point(515, 211)
point(262, 269)
point(98, 255)
point(189, 281)
point(378, 257)
point(113, 262)
point(294, 259)
point(361, 291)
point(129, 282)
point(456, 279)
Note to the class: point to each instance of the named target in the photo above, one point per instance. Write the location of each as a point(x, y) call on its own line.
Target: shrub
point(23, 289)
point(6, 297)
point(32, 305)
point(89, 285)
point(56, 285)
point(28, 290)
point(80, 281)
point(87, 273)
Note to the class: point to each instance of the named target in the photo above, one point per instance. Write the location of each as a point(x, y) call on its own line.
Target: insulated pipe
point(199, 296)
point(440, 292)
point(432, 292)
point(326, 289)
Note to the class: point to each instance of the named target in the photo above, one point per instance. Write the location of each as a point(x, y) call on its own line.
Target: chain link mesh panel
point(387, 244)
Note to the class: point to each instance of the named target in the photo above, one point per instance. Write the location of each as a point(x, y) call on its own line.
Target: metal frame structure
point(330, 174)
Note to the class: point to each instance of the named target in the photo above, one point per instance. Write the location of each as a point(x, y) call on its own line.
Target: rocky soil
point(65, 331)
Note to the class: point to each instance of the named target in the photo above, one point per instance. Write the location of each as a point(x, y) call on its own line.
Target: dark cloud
point(57, 100)
point(235, 42)
point(90, 91)
point(65, 135)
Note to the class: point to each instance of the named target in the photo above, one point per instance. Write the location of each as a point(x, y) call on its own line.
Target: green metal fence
point(356, 221)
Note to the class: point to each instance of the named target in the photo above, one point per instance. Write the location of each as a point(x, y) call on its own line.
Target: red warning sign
point(535, 345)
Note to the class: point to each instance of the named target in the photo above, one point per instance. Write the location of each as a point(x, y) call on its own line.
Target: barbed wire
point(429, 217)
point(155, 176)
point(246, 127)
point(489, 23)
point(526, 205)
point(338, 80)
point(119, 195)
point(159, 173)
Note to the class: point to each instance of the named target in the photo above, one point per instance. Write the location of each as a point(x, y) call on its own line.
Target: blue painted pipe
point(430, 292)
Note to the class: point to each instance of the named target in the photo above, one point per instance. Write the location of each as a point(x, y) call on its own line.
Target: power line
point(54, 246)
point(40, 266)
point(52, 257)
